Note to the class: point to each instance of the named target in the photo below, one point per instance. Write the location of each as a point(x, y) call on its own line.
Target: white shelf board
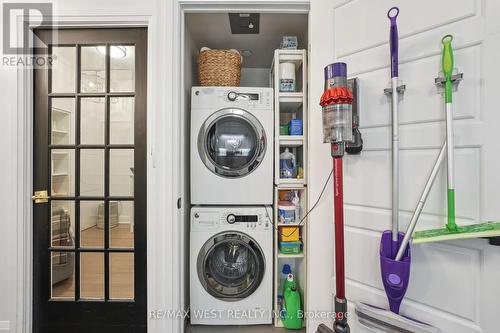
point(60, 111)
point(290, 182)
point(288, 186)
point(59, 174)
point(290, 256)
point(291, 140)
point(291, 225)
point(291, 97)
point(56, 131)
point(296, 58)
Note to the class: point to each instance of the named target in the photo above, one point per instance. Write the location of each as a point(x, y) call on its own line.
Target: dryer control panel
point(241, 97)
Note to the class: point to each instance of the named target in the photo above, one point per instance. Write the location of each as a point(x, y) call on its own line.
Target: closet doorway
point(89, 161)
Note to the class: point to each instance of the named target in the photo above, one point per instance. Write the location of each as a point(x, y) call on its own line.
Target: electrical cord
point(305, 216)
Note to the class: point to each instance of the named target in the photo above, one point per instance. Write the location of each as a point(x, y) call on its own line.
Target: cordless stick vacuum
point(336, 103)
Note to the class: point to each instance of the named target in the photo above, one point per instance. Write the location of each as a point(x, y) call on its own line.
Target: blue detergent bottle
point(288, 164)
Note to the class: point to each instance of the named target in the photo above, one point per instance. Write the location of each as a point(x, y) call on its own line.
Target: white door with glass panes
point(89, 156)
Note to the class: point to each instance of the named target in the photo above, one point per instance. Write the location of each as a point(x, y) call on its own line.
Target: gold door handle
point(40, 197)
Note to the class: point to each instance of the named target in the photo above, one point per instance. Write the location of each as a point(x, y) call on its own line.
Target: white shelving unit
point(285, 105)
point(61, 162)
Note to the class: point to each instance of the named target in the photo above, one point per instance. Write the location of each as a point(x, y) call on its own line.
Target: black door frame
point(82, 315)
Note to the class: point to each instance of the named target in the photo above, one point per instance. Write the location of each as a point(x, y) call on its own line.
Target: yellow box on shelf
point(290, 234)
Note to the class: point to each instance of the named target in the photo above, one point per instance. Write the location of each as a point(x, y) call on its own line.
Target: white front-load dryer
point(231, 146)
point(231, 253)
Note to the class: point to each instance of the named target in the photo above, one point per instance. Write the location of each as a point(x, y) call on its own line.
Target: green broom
point(452, 231)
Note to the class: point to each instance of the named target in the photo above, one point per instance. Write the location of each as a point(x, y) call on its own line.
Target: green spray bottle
point(292, 309)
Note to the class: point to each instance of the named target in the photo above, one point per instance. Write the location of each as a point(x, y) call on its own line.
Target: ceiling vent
point(244, 23)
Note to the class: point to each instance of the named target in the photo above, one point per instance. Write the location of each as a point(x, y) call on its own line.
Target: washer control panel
point(246, 220)
point(236, 218)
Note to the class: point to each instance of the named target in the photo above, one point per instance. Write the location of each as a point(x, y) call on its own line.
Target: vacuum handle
point(392, 14)
point(447, 63)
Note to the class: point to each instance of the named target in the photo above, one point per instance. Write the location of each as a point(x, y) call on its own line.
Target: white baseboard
point(4, 325)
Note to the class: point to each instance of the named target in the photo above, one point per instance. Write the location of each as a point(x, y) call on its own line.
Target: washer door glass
point(232, 142)
point(231, 266)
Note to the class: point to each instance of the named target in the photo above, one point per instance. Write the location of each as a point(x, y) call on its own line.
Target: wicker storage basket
point(219, 68)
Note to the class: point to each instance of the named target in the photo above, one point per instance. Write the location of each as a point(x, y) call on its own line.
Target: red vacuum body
point(336, 103)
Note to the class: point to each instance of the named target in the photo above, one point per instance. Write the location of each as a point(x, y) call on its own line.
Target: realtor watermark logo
point(18, 19)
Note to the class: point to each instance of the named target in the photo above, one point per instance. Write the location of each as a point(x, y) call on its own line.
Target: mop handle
point(447, 63)
point(421, 203)
point(392, 14)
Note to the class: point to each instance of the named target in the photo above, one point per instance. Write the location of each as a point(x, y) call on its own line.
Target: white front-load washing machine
point(231, 146)
point(231, 253)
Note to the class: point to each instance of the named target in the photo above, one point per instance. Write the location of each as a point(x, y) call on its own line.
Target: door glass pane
point(121, 172)
point(92, 172)
point(63, 69)
point(121, 120)
point(93, 69)
point(62, 219)
point(92, 275)
point(63, 121)
point(92, 115)
point(91, 223)
point(121, 275)
point(122, 68)
point(121, 224)
point(62, 172)
point(232, 142)
point(63, 275)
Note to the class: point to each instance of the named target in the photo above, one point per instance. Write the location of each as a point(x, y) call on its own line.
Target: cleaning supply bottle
point(296, 203)
point(289, 280)
point(292, 305)
point(288, 164)
point(284, 274)
point(295, 125)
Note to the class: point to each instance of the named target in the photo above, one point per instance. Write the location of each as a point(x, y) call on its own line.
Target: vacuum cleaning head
point(382, 320)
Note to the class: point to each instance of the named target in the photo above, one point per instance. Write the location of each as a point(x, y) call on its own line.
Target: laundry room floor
point(238, 329)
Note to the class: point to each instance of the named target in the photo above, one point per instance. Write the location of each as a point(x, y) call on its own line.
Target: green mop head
point(488, 229)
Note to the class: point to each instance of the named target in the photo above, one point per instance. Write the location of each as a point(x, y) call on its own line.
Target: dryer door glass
point(231, 266)
point(232, 143)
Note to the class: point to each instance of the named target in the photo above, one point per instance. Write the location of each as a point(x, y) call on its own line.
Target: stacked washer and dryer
point(231, 237)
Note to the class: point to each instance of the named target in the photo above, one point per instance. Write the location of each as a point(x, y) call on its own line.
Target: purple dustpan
point(395, 274)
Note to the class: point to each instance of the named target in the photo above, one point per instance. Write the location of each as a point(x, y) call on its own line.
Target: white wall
point(161, 210)
point(451, 283)
point(190, 76)
point(8, 215)
point(255, 77)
